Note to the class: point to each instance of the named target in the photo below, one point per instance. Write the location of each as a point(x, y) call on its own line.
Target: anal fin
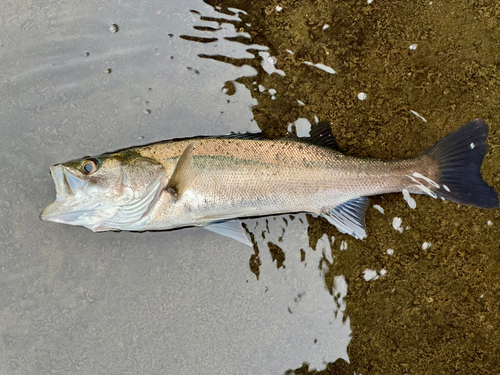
point(349, 217)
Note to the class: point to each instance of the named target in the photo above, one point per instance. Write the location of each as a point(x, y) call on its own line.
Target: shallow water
point(82, 79)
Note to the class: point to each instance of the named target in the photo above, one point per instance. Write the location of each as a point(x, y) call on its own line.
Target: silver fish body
point(208, 181)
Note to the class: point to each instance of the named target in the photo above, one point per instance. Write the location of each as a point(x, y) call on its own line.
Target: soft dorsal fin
point(247, 135)
point(183, 174)
point(321, 135)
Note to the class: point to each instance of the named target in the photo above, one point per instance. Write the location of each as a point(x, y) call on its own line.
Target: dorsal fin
point(321, 135)
point(246, 135)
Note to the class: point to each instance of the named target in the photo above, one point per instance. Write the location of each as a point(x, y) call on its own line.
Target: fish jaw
point(75, 204)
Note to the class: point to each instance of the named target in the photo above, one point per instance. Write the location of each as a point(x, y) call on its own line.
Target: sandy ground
point(436, 311)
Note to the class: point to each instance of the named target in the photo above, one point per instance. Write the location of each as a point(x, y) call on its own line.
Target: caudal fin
point(460, 155)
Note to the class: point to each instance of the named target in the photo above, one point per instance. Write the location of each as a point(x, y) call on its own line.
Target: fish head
point(107, 192)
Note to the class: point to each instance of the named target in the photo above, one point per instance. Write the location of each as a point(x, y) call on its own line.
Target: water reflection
point(186, 300)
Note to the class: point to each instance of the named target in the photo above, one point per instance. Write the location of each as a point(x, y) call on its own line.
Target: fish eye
point(89, 166)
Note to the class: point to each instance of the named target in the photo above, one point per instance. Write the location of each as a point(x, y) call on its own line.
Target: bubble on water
point(147, 111)
point(114, 28)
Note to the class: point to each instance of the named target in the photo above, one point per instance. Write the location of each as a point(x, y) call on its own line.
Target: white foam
point(472, 145)
point(321, 66)
point(325, 27)
point(421, 186)
point(303, 127)
point(370, 274)
point(261, 88)
point(426, 245)
point(323, 245)
point(301, 103)
point(411, 202)
point(378, 208)
point(396, 224)
point(278, 8)
point(269, 62)
point(390, 251)
point(413, 47)
point(289, 51)
point(382, 272)
point(361, 96)
point(343, 245)
point(418, 115)
point(490, 223)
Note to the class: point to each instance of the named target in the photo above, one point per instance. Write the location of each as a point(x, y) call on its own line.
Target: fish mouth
point(77, 204)
point(71, 204)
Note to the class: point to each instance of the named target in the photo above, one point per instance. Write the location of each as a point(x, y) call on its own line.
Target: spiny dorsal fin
point(183, 173)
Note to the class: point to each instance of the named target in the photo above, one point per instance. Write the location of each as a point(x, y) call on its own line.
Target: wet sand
point(436, 311)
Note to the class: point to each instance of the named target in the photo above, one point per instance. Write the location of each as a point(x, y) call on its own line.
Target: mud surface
point(437, 310)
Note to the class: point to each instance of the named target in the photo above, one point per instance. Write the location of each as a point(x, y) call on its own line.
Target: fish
point(214, 181)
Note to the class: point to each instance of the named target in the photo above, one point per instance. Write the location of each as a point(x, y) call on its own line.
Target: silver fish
point(210, 181)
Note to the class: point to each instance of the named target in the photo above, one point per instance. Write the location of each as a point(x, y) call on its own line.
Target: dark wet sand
point(427, 315)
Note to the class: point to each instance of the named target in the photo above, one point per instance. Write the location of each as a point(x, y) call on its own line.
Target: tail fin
point(460, 155)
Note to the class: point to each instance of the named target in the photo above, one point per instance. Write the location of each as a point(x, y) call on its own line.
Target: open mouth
point(77, 203)
point(70, 204)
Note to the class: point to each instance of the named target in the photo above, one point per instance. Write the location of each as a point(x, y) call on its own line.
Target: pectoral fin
point(183, 174)
point(349, 217)
point(231, 229)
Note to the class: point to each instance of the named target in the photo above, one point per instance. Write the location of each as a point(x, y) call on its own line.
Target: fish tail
point(460, 155)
